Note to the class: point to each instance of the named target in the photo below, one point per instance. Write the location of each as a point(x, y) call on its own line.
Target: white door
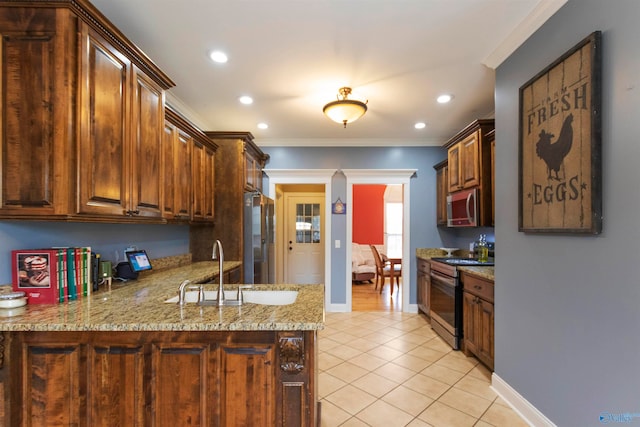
point(304, 238)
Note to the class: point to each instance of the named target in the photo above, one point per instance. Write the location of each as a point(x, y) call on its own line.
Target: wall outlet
point(128, 249)
point(337, 244)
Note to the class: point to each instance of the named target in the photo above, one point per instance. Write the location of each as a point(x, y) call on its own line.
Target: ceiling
point(292, 56)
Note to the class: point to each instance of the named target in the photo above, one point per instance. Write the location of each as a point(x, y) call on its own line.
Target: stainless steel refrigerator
point(259, 253)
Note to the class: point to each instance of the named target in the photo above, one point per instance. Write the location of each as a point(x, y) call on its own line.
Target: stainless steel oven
point(445, 302)
point(445, 297)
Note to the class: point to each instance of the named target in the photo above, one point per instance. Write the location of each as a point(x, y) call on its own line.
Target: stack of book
point(53, 275)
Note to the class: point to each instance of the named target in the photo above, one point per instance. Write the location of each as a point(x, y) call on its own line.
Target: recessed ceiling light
point(263, 126)
point(246, 100)
point(218, 56)
point(443, 99)
point(420, 125)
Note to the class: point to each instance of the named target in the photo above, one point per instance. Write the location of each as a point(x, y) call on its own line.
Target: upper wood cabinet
point(442, 189)
point(189, 170)
point(469, 164)
point(37, 129)
point(239, 163)
point(121, 133)
point(491, 137)
point(83, 121)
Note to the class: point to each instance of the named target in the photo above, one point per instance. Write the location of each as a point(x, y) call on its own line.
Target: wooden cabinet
point(203, 181)
point(469, 165)
point(204, 378)
point(478, 318)
point(37, 129)
point(424, 285)
point(189, 163)
point(238, 163)
point(442, 189)
point(122, 118)
point(491, 137)
point(82, 119)
point(254, 163)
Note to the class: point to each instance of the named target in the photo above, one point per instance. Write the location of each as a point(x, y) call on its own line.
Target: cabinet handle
point(477, 287)
point(132, 213)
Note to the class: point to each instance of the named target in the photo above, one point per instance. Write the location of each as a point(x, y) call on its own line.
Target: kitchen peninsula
point(125, 357)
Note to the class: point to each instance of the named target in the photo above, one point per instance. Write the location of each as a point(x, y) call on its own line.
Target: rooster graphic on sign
point(553, 153)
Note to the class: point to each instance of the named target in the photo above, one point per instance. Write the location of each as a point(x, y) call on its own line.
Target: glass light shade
point(345, 111)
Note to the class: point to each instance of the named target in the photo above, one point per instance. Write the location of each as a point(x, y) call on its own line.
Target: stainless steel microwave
point(462, 208)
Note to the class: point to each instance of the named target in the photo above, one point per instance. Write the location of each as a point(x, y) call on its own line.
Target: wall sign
point(560, 184)
point(338, 207)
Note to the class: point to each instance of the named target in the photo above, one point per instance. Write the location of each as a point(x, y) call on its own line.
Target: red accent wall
point(368, 214)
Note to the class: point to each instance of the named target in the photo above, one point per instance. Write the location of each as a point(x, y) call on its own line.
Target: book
point(86, 271)
point(71, 274)
point(35, 272)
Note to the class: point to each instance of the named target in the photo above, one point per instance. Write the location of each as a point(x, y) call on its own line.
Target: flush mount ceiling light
point(443, 99)
point(345, 110)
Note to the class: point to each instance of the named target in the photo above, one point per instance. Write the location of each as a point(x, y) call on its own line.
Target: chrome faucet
point(219, 255)
point(182, 291)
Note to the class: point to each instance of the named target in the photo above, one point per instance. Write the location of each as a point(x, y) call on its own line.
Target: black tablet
point(138, 260)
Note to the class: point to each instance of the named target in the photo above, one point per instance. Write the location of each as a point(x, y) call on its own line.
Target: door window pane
point(307, 223)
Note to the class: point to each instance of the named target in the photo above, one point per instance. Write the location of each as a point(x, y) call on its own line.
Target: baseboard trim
point(338, 308)
point(526, 410)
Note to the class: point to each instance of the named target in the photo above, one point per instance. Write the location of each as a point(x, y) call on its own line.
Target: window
point(307, 223)
point(393, 229)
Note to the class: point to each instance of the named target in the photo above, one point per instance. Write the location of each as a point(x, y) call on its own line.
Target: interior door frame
point(384, 176)
point(309, 176)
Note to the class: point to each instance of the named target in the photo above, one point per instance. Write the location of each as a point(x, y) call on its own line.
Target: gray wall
point(109, 240)
point(424, 233)
point(568, 307)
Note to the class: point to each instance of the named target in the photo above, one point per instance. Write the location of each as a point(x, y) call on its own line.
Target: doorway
point(384, 176)
point(377, 219)
point(304, 234)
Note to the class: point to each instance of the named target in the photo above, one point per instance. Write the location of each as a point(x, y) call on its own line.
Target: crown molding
point(538, 16)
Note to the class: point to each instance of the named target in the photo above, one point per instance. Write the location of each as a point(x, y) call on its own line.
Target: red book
point(35, 272)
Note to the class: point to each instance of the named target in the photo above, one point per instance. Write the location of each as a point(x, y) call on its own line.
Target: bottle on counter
point(483, 249)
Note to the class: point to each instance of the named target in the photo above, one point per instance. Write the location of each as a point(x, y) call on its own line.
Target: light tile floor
point(391, 369)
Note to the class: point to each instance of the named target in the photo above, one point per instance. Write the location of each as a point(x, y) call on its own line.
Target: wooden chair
point(383, 270)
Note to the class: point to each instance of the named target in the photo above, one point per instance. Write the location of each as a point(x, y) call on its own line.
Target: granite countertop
point(480, 271)
point(139, 306)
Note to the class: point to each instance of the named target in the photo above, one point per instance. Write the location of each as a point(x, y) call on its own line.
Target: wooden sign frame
point(560, 159)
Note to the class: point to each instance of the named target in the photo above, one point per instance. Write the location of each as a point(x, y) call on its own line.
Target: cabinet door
point(203, 182)
point(250, 172)
point(50, 370)
point(442, 188)
point(485, 339)
point(183, 385)
point(168, 165)
point(148, 123)
point(118, 370)
point(453, 155)
point(470, 161)
point(424, 285)
point(104, 175)
point(247, 386)
point(493, 182)
point(30, 122)
point(470, 320)
point(182, 177)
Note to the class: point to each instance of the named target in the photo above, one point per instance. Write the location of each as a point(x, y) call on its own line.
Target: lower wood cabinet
point(146, 378)
point(424, 284)
point(478, 318)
